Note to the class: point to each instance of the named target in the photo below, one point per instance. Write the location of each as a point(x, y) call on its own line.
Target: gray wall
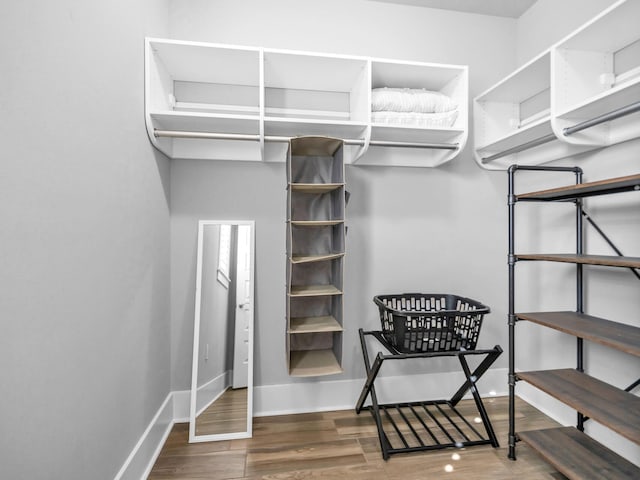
point(84, 262)
point(548, 21)
point(431, 230)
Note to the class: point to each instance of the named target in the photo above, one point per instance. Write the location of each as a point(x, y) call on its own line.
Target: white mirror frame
point(193, 438)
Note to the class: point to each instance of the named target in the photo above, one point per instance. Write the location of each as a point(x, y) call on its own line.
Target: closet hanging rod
point(276, 138)
point(519, 148)
point(619, 112)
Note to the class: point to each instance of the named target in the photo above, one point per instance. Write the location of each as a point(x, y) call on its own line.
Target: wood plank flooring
point(226, 415)
point(342, 444)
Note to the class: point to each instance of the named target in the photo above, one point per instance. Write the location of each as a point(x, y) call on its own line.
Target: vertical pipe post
point(579, 288)
point(512, 319)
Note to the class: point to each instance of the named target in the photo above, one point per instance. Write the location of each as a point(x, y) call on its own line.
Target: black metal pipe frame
point(511, 200)
point(579, 289)
point(512, 319)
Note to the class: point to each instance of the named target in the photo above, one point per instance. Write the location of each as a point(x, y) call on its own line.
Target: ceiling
point(499, 8)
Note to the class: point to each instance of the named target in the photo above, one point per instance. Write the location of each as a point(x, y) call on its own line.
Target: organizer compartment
point(307, 243)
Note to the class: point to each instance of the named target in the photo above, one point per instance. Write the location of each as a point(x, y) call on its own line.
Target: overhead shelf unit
point(225, 102)
point(581, 94)
point(444, 139)
point(575, 454)
point(200, 89)
point(315, 251)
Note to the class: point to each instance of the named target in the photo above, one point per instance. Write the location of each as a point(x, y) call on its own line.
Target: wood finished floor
point(227, 414)
point(342, 444)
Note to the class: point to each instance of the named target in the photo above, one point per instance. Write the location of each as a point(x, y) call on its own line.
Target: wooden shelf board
point(577, 456)
point(315, 258)
point(601, 187)
point(313, 363)
point(604, 260)
point(610, 406)
point(625, 338)
point(315, 187)
point(313, 290)
point(326, 323)
point(315, 223)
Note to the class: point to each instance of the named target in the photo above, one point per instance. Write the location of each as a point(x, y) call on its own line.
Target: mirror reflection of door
point(221, 393)
point(244, 308)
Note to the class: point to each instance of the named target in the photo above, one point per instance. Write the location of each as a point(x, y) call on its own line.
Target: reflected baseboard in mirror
point(222, 373)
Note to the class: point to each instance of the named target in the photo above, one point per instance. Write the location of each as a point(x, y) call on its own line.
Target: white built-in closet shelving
point(543, 111)
point(224, 102)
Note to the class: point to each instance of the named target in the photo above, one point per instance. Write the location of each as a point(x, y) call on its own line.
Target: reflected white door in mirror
point(222, 373)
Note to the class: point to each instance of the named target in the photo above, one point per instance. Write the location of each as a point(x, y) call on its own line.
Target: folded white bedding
point(410, 100)
point(430, 120)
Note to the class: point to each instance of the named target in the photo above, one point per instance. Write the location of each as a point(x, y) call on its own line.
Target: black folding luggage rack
point(426, 425)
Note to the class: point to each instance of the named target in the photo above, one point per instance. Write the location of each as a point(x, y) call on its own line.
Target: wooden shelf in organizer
point(313, 363)
point(315, 187)
point(324, 323)
point(577, 456)
point(605, 404)
point(315, 258)
point(316, 223)
point(314, 290)
point(620, 336)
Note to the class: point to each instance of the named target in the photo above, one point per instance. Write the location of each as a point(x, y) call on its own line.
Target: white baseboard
point(210, 391)
point(305, 397)
point(343, 394)
point(141, 459)
point(181, 405)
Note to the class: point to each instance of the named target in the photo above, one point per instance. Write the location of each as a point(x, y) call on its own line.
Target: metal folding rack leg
point(444, 432)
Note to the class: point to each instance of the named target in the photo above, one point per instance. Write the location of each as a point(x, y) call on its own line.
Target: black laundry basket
point(429, 322)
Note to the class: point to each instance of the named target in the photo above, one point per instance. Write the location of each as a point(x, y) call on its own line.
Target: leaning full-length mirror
point(222, 374)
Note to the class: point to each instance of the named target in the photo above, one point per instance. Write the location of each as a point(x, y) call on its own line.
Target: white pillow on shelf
point(410, 100)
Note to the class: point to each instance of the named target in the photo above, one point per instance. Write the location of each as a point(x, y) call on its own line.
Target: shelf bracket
point(608, 240)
